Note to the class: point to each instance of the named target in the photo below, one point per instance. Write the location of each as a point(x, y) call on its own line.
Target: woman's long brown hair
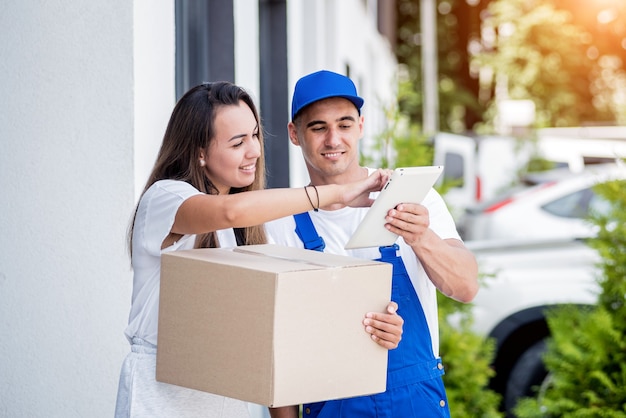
point(191, 129)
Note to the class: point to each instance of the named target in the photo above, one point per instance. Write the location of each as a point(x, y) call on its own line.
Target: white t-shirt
point(155, 217)
point(336, 227)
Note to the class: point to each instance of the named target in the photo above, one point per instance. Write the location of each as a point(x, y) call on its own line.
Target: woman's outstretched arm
point(205, 213)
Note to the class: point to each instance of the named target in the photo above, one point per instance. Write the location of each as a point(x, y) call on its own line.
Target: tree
point(537, 52)
point(567, 56)
point(458, 25)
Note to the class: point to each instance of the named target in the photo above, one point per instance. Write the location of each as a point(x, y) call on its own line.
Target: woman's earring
point(202, 162)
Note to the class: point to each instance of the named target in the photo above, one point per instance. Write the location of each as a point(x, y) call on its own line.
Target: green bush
point(586, 355)
point(466, 357)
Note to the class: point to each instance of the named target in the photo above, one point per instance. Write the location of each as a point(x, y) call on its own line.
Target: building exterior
point(87, 91)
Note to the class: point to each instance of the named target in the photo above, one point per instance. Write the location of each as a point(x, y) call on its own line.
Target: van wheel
point(528, 374)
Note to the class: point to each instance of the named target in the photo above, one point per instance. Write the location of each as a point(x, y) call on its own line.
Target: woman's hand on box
point(385, 328)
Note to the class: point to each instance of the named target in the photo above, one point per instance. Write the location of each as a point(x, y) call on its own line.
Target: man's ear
point(293, 134)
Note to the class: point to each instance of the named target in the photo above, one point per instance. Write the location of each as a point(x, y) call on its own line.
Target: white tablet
point(406, 185)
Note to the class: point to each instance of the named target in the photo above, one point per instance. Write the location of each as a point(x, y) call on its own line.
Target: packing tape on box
point(278, 257)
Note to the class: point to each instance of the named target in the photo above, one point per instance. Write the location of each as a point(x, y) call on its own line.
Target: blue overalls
point(414, 385)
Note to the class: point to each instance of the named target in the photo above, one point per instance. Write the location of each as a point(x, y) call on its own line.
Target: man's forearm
point(452, 268)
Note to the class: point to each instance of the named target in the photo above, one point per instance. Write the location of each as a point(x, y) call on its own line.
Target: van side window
point(453, 168)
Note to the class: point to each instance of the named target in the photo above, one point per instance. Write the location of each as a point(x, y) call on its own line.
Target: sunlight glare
point(606, 16)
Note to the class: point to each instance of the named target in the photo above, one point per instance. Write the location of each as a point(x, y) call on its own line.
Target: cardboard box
point(270, 324)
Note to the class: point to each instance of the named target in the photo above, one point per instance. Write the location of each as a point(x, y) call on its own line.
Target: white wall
point(154, 81)
point(67, 180)
point(246, 14)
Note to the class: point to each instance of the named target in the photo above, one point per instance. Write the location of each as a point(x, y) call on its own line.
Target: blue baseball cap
point(323, 85)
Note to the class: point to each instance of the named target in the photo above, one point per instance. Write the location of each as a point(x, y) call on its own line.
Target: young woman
point(212, 152)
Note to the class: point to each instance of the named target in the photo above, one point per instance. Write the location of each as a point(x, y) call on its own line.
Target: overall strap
point(307, 233)
point(389, 253)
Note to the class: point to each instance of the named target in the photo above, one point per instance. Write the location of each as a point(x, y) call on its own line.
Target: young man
point(327, 125)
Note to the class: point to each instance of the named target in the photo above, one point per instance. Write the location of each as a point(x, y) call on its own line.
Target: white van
point(479, 168)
